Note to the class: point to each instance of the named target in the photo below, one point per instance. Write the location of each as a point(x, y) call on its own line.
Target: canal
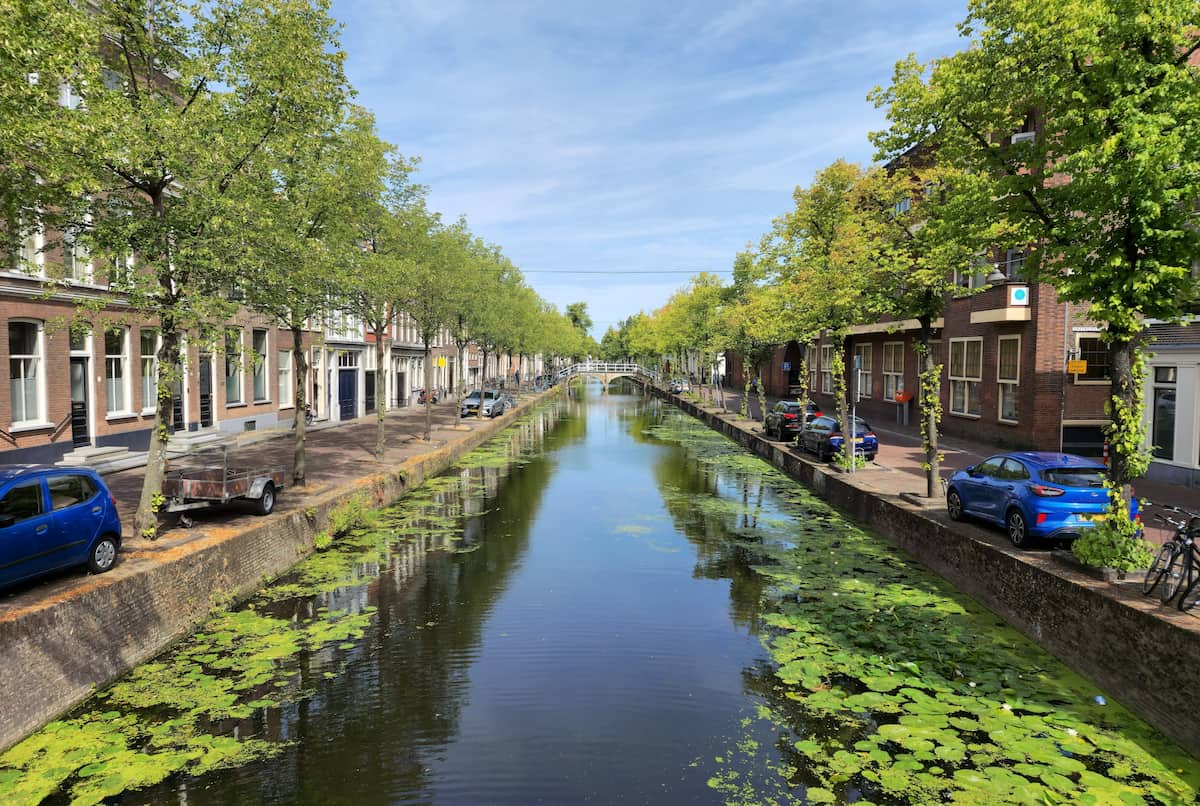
point(608, 603)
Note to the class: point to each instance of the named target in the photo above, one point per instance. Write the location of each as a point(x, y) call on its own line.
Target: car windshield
point(491, 394)
point(473, 396)
point(1075, 476)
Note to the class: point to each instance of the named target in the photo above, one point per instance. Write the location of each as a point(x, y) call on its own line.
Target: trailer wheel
point(266, 502)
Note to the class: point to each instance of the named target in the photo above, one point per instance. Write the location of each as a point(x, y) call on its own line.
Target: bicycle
point(1178, 559)
point(308, 416)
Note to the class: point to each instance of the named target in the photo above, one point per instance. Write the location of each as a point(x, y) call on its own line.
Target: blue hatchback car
point(55, 517)
point(1033, 494)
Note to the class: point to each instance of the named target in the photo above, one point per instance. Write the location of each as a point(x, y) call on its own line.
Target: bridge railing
point(608, 368)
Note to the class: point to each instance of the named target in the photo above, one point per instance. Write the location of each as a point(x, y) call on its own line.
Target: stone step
point(103, 460)
point(182, 443)
point(88, 454)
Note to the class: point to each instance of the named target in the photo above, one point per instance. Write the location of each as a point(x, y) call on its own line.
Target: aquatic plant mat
point(206, 703)
point(886, 685)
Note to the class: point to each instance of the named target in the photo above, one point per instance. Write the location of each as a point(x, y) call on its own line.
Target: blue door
point(27, 546)
point(980, 494)
point(347, 394)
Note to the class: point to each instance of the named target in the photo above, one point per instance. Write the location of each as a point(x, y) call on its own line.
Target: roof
point(1052, 458)
point(12, 471)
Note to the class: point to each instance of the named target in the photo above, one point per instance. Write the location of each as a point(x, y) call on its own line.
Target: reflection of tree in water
point(366, 735)
point(723, 531)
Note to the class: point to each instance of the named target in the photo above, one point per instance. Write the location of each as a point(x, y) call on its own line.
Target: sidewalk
point(900, 451)
point(335, 453)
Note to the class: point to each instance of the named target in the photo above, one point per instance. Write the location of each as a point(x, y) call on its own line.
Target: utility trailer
point(207, 478)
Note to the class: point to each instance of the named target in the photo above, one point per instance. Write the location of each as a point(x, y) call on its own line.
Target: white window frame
point(893, 370)
point(75, 256)
point(971, 381)
point(284, 383)
point(30, 258)
point(149, 369)
point(866, 378)
point(1014, 263)
point(261, 365)
point(235, 368)
point(827, 369)
point(1008, 388)
point(36, 362)
point(112, 365)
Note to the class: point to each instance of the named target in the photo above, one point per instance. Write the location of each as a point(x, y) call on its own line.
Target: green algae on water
point(888, 686)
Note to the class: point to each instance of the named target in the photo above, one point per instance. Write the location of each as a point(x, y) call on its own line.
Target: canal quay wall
point(57, 650)
point(1146, 655)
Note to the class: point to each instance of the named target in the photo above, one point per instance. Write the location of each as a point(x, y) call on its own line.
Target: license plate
point(1096, 518)
point(858, 440)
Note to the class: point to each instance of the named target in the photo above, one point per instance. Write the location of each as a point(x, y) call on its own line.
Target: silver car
point(493, 403)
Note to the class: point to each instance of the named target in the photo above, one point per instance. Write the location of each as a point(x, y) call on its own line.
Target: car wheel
point(954, 506)
point(1018, 531)
point(103, 555)
point(266, 502)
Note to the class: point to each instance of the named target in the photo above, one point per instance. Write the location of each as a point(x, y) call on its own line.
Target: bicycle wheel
point(1173, 576)
point(1158, 568)
point(1190, 596)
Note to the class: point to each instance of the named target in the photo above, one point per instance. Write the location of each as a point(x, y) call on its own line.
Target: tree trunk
point(929, 398)
point(1126, 434)
point(146, 519)
point(462, 382)
point(841, 394)
point(428, 393)
point(762, 397)
point(300, 395)
point(380, 405)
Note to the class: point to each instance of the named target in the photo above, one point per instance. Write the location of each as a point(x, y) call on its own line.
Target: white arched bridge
point(607, 371)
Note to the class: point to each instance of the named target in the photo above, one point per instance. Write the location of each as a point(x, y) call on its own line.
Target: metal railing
point(607, 368)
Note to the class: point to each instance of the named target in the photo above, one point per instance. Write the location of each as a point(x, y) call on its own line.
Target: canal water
point(609, 603)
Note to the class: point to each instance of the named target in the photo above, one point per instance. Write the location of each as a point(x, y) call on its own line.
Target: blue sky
point(628, 135)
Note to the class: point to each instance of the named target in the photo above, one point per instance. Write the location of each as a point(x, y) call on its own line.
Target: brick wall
point(58, 650)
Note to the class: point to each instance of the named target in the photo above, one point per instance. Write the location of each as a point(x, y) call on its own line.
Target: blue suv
point(1033, 494)
point(55, 517)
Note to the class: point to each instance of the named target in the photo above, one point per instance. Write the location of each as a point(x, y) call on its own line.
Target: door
point(206, 398)
point(77, 516)
point(369, 392)
point(177, 400)
point(25, 541)
point(347, 394)
point(79, 403)
point(981, 494)
point(401, 392)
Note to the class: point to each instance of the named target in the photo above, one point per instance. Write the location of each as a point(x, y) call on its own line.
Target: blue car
point(1033, 494)
point(55, 517)
point(823, 436)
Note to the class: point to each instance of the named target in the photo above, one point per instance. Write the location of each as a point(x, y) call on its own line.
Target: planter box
point(1114, 575)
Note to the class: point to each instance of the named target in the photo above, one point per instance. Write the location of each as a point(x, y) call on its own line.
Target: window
point(27, 255)
point(1095, 352)
point(25, 372)
point(21, 503)
point(973, 277)
point(116, 369)
point(827, 368)
point(77, 262)
point(1008, 376)
point(1162, 434)
point(68, 490)
point(1013, 471)
point(233, 365)
point(893, 369)
point(862, 352)
point(259, 345)
point(901, 207)
point(966, 371)
point(149, 353)
point(68, 96)
point(1014, 263)
point(287, 391)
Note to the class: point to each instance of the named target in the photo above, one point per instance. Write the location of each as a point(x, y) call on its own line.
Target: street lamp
point(997, 276)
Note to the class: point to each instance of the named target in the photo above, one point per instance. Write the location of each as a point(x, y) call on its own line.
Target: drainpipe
point(1062, 407)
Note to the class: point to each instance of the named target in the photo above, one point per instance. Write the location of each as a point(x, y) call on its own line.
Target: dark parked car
point(1033, 494)
point(823, 436)
point(52, 518)
point(783, 420)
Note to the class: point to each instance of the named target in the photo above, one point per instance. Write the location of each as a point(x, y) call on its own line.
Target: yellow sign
point(441, 362)
point(1077, 367)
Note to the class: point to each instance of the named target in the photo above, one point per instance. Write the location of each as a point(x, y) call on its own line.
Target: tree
point(198, 92)
point(911, 227)
point(45, 45)
point(577, 313)
point(1105, 189)
point(318, 190)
